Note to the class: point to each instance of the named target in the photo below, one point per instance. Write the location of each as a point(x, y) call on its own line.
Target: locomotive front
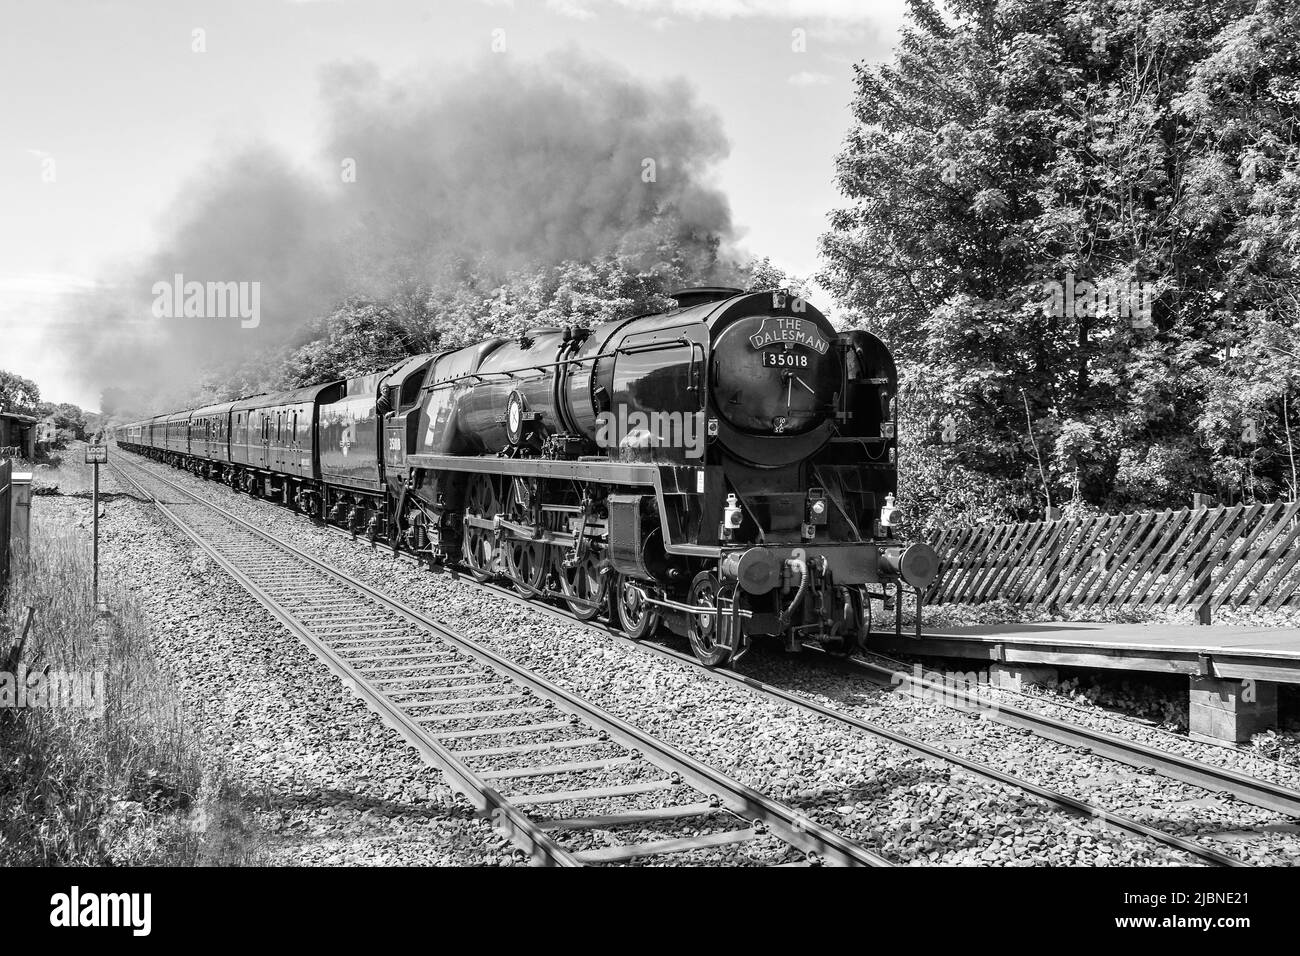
point(804, 435)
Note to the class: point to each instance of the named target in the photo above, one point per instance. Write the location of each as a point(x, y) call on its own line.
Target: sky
point(108, 112)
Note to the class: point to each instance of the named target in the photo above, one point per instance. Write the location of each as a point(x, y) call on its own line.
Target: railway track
point(479, 718)
point(1253, 790)
point(1218, 780)
point(1266, 794)
point(915, 745)
point(1260, 792)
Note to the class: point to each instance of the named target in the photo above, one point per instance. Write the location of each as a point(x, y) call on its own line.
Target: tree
point(67, 418)
point(579, 294)
point(762, 275)
point(1066, 203)
point(357, 338)
point(18, 395)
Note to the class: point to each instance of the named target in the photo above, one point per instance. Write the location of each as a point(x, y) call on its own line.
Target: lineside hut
point(17, 436)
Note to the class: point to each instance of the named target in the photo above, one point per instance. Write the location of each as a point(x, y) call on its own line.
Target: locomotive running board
point(613, 472)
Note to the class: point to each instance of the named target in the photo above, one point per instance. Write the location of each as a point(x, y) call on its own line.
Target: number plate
point(784, 359)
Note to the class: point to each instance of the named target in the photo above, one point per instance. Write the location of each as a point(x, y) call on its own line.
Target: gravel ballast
point(323, 780)
point(909, 808)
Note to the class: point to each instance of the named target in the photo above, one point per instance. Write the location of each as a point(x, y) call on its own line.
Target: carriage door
point(264, 452)
point(280, 455)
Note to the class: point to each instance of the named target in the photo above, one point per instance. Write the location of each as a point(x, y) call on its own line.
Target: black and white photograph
point(442, 440)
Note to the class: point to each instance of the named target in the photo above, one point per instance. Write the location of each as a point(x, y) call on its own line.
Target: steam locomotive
point(726, 469)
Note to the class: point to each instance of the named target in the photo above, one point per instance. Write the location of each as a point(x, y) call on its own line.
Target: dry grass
point(132, 786)
point(62, 471)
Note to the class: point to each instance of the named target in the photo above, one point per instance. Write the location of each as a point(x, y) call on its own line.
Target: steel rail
point(919, 747)
point(525, 834)
point(1262, 793)
point(819, 843)
point(1251, 790)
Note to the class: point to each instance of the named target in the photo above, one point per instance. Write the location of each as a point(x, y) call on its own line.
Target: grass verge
point(99, 766)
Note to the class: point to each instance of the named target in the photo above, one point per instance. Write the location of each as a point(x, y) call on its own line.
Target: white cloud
point(805, 78)
point(33, 285)
point(856, 10)
point(570, 8)
point(842, 11)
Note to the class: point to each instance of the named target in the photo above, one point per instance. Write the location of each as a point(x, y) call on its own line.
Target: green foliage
point(581, 294)
point(357, 338)
point(69, 420)
point(761, 275)
point(18, 395)
point(1018, 178)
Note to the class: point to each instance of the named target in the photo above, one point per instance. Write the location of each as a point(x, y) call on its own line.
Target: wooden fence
point(6, 497)
point(1203, 558)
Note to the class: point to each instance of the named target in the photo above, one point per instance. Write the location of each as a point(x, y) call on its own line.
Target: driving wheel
point(581, 585)
point(632, 612)
point(702, 629)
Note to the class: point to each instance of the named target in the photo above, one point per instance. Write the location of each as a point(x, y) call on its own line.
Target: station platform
point(1223, 651)
point(1233, 672)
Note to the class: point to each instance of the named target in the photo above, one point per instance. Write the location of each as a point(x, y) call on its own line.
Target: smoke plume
point(418, 182)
